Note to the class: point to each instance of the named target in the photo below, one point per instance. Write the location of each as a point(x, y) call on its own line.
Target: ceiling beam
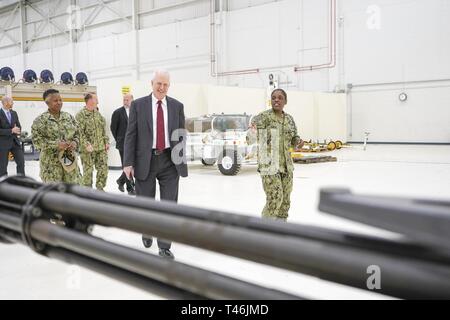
point(49, 16)
point(41, 27)
point(7, 23)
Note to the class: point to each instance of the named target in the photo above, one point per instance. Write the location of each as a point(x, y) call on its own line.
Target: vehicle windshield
point(234, 123)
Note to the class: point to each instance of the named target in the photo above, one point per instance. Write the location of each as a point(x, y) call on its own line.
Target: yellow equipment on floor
point(321, 147)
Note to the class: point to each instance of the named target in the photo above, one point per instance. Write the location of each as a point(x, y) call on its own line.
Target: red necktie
point(160, 131)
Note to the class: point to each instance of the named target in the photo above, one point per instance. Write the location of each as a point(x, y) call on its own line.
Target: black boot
point(166, 253)
point(131, 188)
point(120, 186)
point(147, 242)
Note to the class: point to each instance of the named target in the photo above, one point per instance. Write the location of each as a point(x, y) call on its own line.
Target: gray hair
point(160, 72)
point(6, 99)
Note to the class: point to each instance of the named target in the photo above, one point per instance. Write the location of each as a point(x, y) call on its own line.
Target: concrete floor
point(415, 171)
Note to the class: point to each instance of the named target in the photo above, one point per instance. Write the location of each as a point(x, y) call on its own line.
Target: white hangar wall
point(383, 48)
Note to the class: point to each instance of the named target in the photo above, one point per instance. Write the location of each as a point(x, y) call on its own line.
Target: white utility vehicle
point(222, 139)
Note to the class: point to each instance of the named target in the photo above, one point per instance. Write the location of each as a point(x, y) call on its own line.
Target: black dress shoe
point(147, 242)
point(132, 192)
point(121, 186)
point(166, 253)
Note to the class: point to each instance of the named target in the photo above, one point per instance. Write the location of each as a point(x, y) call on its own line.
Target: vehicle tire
point(209, 162)
point(339, 145)
point(229, 163)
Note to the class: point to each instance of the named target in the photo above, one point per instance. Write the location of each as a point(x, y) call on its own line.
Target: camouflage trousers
point(99, 161)
point(278, 189)
point(51, 170)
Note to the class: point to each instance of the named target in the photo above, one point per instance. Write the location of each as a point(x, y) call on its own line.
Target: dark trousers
point(18, 158)
point(163, 170)
point(123, 178)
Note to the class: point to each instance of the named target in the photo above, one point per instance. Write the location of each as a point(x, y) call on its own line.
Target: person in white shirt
point(154, 148)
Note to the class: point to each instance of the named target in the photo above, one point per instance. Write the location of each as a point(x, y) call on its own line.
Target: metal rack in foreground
point(55, 221)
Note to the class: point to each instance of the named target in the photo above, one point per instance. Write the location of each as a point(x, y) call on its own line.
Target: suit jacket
point(119, 125)
point(139, 137)
point(7, 139)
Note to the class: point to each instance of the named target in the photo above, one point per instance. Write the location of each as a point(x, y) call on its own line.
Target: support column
point(73, 34)
point(23, 34)
point(136, 43)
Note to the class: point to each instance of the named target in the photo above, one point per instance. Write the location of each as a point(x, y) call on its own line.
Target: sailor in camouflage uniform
point(55, 134)
point(94, 143)
point(277, 134)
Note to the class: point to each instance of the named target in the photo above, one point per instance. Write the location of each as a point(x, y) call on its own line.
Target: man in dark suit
point(119, 125)
point(10, 129)
point(155, 147)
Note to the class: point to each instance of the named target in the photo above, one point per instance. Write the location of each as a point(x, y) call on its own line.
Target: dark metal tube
point(297, 230)
point(10, 236)
point(420, 220)
point(56, 236)
point(9, 205)
point(10, 221)
point(149, 285)
point(231, 219)
point(406, 278)
point(192, 279)
point(286, 252)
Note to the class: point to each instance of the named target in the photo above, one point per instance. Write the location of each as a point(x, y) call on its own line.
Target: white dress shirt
point(127, 110)
point(166, 120)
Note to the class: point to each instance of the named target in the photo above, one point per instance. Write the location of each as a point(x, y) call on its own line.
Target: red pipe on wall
point(214, 72)
point(332, 45)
